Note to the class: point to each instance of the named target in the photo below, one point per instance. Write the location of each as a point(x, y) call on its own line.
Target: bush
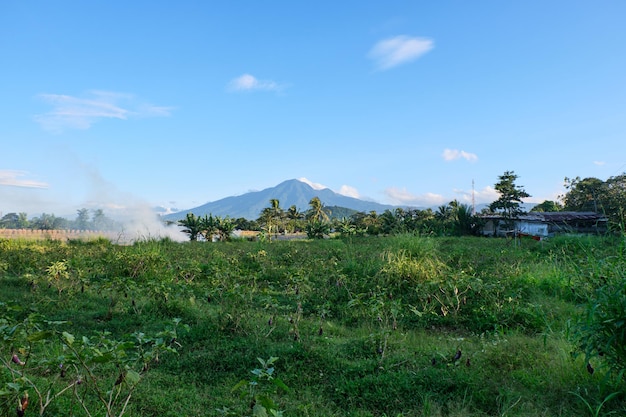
point(601, 332)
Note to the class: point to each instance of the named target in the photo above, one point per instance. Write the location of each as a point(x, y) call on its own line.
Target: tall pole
point(473, 199)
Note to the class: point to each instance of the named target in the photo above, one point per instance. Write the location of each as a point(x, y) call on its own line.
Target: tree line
point(451, 219)
point(85, 220)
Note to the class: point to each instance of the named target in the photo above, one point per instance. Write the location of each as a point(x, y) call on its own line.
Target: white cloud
point(485, 196)
point(70, 112)
point(599, 163)
point(346, 190)
point(453, 154)
point(349, 191)
point(399, 196)
point(247, 82)
point(392, 52)
point(12, 178)
point(314, 185)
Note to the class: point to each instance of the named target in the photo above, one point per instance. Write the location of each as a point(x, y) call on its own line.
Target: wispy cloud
point(483, 196)
point(13, 178)
point(314, 185)
point(349, 191)
point(247, 82)
point(453, 154)
point(398, 50)
point(346, 190)
point(400, 196)
point(599, 163)
point(73, 112)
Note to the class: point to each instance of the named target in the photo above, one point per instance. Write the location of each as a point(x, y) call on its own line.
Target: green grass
point(392, 312)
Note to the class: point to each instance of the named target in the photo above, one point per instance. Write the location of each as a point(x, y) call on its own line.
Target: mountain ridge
point(288, 193)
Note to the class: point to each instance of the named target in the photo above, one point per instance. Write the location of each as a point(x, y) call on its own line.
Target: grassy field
point(393, 326)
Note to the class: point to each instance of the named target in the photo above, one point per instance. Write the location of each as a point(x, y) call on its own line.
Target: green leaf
point(14, 386)
point(280, 384)
point(132, 377)
point(69, 338)
point(239, 385)
point(42, 335)
point(266, 402)
point(103, 358)
point(259, 411)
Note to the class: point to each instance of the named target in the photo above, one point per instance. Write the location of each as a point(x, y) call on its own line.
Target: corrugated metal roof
point(556, 216)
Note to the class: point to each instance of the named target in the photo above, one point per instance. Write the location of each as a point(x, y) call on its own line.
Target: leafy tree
point(192, 225)
point(48, 222)
point(584, 194)
point(82, 220)
point(14, 221)
point(548, 206)
point(591, 194)
point(392, 222)
point(99, 220)
point(242, 223)
point(511, 196)
point(616, 201)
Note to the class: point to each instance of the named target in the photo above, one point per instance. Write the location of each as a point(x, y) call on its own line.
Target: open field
point(63, 235)
point(393, 326)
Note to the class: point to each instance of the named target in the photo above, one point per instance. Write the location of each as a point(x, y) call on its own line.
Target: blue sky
point(112, 104)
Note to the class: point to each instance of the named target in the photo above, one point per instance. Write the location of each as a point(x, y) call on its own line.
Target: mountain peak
point(294, 192)
point(314, 185)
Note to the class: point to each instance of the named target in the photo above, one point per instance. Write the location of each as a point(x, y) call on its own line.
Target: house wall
point(533, 228)
point(543, 229)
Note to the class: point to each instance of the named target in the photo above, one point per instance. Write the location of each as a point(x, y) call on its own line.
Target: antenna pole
point(473, 199)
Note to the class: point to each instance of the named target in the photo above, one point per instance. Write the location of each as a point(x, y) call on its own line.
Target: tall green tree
point(316, 211)
point(271, 219)
point(511, 195)
point(294, 218)
point(192, 225)
point(592, 194)
point(82, 219)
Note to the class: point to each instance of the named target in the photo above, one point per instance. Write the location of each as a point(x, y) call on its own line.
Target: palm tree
point(293, 218)
point(317, 212)
point(224, 227)
point(192, 225)
point(372, 222)
point(208, 227)
point(271, 218)
point(465, 221)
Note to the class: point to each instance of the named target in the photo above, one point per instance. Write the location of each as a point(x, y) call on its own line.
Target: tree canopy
point(511, 195)
point(592, 194)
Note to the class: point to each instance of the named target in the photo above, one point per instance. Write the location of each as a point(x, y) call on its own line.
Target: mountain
point(288, 193)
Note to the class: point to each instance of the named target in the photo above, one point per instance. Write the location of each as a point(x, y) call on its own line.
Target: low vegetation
point(360, 326)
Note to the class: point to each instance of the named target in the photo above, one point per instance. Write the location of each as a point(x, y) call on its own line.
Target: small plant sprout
point(257, 390)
